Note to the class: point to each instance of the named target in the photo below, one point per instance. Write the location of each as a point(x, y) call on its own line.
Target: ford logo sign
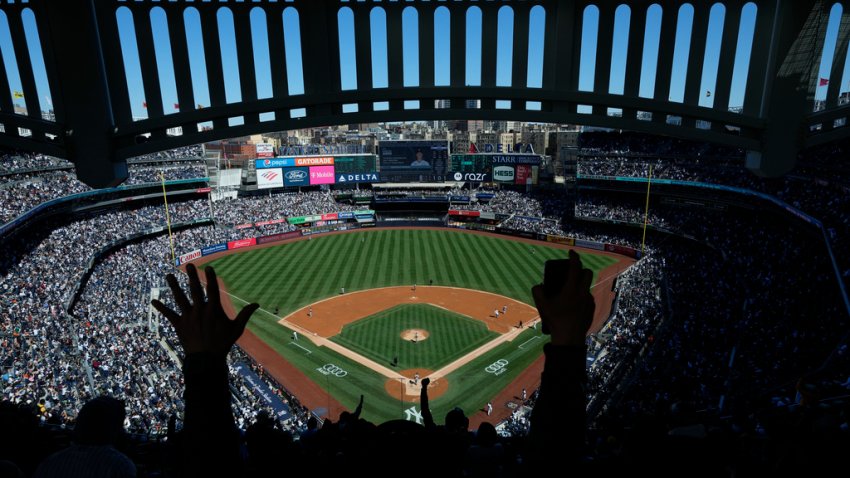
point(296, 175)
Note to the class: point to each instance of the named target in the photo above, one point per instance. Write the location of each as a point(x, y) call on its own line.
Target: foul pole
point(646, 213)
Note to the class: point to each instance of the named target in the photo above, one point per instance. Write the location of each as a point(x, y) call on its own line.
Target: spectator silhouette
point(558, 420)
point(99, 426)
point(209, 445)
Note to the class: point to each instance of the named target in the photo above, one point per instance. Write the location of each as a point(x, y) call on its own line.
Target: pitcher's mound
point(416, 335)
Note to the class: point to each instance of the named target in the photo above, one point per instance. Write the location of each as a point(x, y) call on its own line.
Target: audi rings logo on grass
point(332, 370)
point(498, 367)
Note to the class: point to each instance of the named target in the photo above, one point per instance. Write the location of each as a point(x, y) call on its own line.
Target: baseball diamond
point(359, 332)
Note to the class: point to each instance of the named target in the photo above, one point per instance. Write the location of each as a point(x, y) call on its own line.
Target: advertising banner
point(321, 174)
point(497, 159)
point(560, 240)
point(191, 256)
point(244, 226)
point(265, 150)
point(315, 161)
point(626, 251)
point(205, 251)
point(203, 190)
point(241, 243)
point(346, 215)
point(474, 177)
point(278, 237)
point(269, 223)
point(358, 178)
point(296, 220)
point(270, 178)
point(293, 177)
point(313, 218)
point(488, 215)
point(464, 212)
point(523, 173)
point(274, 163)
point(330, 216)
point(504, 174)
point(590, 244)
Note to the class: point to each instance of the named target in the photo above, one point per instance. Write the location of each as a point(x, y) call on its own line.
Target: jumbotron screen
point(413, 160)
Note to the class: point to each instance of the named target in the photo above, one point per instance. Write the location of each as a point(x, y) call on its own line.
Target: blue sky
point(292, 34)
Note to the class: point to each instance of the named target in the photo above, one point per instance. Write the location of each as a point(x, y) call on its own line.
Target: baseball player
point(504, 309)
point(496, 313)
point(310, 312)
point(489, 408)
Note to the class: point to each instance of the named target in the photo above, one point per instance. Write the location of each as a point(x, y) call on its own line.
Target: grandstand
point(386, 180)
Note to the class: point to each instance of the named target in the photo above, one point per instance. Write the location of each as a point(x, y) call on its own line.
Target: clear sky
point(504, 53)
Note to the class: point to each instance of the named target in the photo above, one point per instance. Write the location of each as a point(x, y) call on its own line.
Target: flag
point(200, 106)
point(144, 104)
point(176, 106)
point(18, 94)
point(708, 93)
point(473, 148)
point(823, 82)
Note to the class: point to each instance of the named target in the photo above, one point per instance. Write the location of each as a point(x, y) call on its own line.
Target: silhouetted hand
point(202, 325)
point(569, 314)
point(425, 382)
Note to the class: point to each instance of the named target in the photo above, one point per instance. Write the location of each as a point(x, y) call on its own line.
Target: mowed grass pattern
point(300, 273)
point(451, 336)
point(293, 275)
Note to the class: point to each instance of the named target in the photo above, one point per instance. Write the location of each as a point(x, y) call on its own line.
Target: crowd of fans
point(819, 185)
point(720, 326)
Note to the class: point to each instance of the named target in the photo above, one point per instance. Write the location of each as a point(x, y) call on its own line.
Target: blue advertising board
point(296, 176)
point(358, 178)
point(274, 163)
point(205, 251)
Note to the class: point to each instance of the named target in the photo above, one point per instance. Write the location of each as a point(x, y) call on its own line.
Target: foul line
point(301, 347)
point(522, 345)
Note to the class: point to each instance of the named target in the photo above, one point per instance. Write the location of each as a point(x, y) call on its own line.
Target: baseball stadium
point(472, 237)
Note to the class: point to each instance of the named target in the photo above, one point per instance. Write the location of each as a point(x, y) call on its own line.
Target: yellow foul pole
point(167, 217)
point(646, 212)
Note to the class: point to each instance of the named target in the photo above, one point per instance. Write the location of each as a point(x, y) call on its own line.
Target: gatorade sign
point(503, 174)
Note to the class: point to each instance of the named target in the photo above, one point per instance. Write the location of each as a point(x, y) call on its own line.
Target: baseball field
point(417, 303)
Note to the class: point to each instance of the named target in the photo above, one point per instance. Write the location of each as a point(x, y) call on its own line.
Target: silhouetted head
point(456, 420)
point(486, 435)
point(312, 423)
point(100, 421)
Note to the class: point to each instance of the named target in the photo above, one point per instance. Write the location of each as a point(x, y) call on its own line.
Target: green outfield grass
point(451, 336)
point(296, 274)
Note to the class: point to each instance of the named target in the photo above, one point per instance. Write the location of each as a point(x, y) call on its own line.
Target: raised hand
point(202, 325)
point(568, 315)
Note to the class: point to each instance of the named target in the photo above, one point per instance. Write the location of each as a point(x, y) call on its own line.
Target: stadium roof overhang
point(311, 79)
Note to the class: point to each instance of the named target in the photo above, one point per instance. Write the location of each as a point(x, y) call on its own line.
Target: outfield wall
point(325, 228)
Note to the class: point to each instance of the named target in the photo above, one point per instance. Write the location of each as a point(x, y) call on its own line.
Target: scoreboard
point(470, 163)
point(356, 163)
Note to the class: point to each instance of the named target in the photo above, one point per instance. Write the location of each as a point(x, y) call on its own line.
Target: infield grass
point(451, 336)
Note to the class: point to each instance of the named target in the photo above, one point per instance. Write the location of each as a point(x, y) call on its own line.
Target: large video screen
point(413, 159)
